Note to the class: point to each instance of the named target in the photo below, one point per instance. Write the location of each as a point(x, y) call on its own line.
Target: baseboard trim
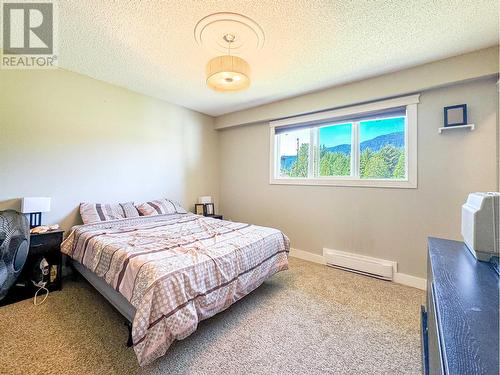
point(409, 280)
point(399, 278)
point(306, 255)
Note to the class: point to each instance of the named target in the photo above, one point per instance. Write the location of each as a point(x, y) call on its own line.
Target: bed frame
point(118, 301)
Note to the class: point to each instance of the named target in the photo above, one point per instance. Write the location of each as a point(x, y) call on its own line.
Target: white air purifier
point(481, 225)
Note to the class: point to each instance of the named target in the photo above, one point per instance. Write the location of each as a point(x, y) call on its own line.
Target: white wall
point(75, 139)
point(386, 223)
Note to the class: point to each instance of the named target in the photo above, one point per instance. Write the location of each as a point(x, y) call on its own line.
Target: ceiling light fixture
point(228, 73)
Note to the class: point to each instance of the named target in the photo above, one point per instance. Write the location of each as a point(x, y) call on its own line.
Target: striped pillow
point(95, 212)
point(160, 207)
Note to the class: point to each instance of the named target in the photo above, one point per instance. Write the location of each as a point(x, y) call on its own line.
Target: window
point(294, 153)
point(368, 145)
point(335, 144)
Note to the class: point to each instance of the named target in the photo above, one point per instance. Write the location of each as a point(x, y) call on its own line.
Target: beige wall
point(440, 73)
point(74, 139)
point(386, 223)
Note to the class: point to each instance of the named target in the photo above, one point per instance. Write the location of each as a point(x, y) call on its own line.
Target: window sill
point(395, 184)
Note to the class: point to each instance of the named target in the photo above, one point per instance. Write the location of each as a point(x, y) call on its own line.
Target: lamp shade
point(228, 73)
point(35, 204)
point(204, 200)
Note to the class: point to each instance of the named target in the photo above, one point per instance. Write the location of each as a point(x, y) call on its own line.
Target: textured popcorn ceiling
point(149, 46)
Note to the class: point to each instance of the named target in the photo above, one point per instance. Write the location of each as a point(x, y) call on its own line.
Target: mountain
point(343, 149)
point(396, 139)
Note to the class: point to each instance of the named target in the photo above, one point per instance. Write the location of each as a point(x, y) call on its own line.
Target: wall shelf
point(468, 126)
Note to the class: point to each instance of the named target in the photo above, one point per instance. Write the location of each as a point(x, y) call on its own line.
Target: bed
point(165, 273)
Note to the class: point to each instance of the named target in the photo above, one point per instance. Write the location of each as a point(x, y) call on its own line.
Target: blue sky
point(341, 134)
point(371, 129)
point(335, 135)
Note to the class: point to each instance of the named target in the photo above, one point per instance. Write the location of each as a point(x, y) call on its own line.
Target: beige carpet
point(311, 319)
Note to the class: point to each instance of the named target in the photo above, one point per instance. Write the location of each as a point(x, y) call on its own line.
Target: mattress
point(118, 301)
point(176, 269)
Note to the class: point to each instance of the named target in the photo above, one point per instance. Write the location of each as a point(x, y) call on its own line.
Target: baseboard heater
point(379, 268)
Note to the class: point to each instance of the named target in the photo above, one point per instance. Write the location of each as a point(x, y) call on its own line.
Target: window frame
point(411, 133)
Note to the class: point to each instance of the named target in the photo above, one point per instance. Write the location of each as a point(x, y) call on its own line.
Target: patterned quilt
point(177, 270)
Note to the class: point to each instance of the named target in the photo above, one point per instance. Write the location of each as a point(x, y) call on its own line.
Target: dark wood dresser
point(460, 322)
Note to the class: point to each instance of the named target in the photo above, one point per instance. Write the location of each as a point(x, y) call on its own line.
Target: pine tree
point(390, 154)
point(400, 170)
point(334, 164)
point(301, 165)
point(363, 160)
point(376, 167)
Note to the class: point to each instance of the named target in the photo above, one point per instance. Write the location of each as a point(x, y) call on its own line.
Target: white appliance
point(481, 225)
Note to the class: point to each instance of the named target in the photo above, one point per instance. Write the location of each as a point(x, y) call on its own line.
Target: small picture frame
point(199, 209)
point(455, 115)
point(209, 209)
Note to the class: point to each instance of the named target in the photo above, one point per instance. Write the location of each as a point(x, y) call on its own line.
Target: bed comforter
point(177, 270)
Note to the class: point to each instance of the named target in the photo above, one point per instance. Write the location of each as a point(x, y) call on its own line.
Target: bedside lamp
point(34, 206)
point(204, 200)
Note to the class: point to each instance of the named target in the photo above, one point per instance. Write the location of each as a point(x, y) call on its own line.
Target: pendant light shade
point(228, 73)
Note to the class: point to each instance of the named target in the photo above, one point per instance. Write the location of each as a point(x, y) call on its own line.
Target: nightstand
point(48, 246)
point(220, 217)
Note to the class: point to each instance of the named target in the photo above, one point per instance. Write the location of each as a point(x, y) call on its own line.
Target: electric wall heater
point(379, 268)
